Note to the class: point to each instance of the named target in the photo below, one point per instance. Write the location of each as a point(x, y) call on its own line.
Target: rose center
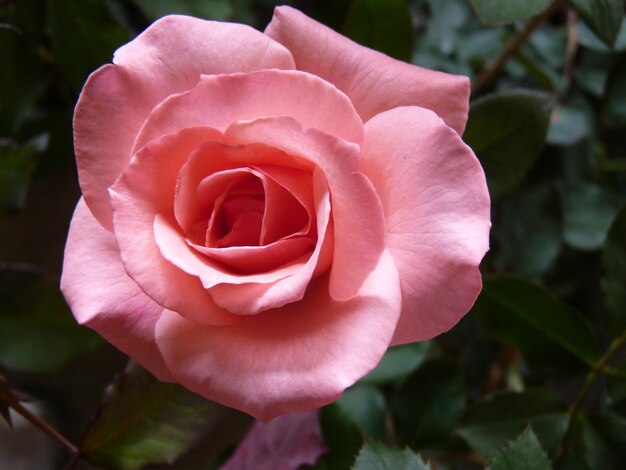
point(237, 219)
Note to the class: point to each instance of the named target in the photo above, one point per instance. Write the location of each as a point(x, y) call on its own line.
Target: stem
point(614, 165)
point(41, 424)
point(572, 47)
point(598, 367)
point(493, 69)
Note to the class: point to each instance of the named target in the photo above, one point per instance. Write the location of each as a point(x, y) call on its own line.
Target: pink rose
point(264, 214)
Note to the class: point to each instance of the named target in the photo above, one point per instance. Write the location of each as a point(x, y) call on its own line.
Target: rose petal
point(258, 259)
point(286, 443)
point(219, 100)
point(284, 215)
point(357, 212)
point(146, 188)
point(436, 206)
point(373, 81)
point(167, 58)
point(297, 358)
point(103, 297)
point(173, 246)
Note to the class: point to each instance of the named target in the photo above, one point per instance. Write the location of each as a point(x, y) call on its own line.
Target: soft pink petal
point(437, 209)
point(167, 58)
point(357, 212)
point(258, 259)
point(103, 297)
point(284, 214)
point(146, 188)
point(219, 100)
point(173, 247)
point(296, 358)
point(373, 81)
point(286, 443)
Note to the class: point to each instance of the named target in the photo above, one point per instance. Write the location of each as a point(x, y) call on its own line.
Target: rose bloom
point(264, 214)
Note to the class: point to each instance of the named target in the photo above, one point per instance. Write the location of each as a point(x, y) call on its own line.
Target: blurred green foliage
point(533, 377)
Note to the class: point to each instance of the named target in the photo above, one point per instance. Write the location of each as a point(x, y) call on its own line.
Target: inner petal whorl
point(238, 218)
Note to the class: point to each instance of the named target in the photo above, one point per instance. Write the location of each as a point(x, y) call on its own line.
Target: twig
point(39, 422)
point(614, 165)
point(493, 69)
point(571, 48)
point(598, 367)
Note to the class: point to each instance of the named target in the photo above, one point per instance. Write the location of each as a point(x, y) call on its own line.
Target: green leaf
point(378, 456)
point(568, 125)
point(497, 12)
point(524, 315)
point(524, 453)
point(37, 331)
point(614, 279)
point(588, 210)
point(527, 232)
point(596, 451)
point(220, 10)
point(443, 31)
point(611, 428)
point(366, 407)
point(342, 437)
point(21, 83)
point(588, 39)
point(145, 422)
point(489, 424)
point(604, 17)
point(507, 131)
point(398, 362)
point(481, 46)
point(384, 26)
point(428, 404)
point(592, 72)
point(84, 37)
point(17, 163)
point(615, 97)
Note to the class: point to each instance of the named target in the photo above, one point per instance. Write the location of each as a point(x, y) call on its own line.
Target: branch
point(598, 368)
point(512, 46)
point(571, 48)
point(12, 402)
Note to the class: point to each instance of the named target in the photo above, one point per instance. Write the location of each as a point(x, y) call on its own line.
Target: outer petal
point(103, 297)
point(296, 358)
point(219, 100)
point(436, 206)
point(357, 213)
point(167, 58)
point(373, 81)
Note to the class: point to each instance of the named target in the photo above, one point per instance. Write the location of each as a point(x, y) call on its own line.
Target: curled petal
point(436, 205)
